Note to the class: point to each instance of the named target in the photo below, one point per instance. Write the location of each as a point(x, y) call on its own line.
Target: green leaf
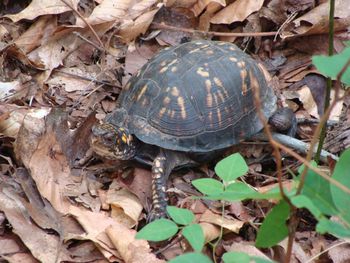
point(241, 191)
point(327, 226)
point(208, 186)
point(317, 189)
point(342, 175)
point(302, 201)
point(274, 228)
point(181, 216)
point(190, 258)
point(158, 230)
point(240, 257)
point(195, 236)
point(231, 167)
point(331, 66)
point(236, 257)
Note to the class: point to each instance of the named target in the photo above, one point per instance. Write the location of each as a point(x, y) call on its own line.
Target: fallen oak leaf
point(42, 7)
point(130, 249)
point(237, 11)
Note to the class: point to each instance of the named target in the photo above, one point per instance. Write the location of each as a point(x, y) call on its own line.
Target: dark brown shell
point(195, 97)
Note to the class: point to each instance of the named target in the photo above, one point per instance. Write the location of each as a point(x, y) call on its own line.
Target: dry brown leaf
point(237, 11)
point(137, 56)
point(130, 249)
point(126, 207)
point(60, 44)
point(9, 90)
point(180, 3)
point(310, 105)
point(70, 83)
point(232, 224)
point(246, 247)
point(210, 231)
point(95, 225)
point(8, 246)
point(198, 8)
point(130, 29)
point(43, 7)
point(316, 20)
point(204, 19)
point(107, 11)
point(42, 155)
point(31, 235)
point(19, 257)
point(37, 34)
point(340, 253)
point(141, 8)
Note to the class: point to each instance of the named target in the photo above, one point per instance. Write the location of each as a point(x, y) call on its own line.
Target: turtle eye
point(109, 138)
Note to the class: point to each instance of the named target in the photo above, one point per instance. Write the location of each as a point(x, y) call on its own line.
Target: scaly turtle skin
point(187, 102)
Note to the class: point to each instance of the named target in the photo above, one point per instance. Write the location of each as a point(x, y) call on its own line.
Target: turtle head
point(112, 142)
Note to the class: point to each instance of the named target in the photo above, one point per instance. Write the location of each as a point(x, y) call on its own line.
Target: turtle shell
point(195, 97)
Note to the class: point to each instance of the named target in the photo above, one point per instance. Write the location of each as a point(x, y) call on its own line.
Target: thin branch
point(211, 33)
point(86, 22)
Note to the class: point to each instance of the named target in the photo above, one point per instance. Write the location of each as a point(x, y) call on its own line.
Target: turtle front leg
point(159, 180)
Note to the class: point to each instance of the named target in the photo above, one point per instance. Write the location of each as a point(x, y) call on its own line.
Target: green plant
point(182, 219)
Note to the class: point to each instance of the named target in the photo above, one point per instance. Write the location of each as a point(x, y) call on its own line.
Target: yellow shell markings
point(241, 64)
point(144, 102)
point(198, 49)
point(165, 66)
point(209, 93)
point(202, 72)
point(171, 113)
point(233, 59)
point(161, 112)
point(244, 74)
point(218, 83)
point(166, 101)
point(218, 113)
point(175, 91)
point(254, 84)
point(210, 117)
point(181, 103)
point(221, 95)
point(142, 92)
point(173, 69)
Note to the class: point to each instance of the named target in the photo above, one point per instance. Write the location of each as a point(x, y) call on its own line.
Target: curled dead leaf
point(126, 207)
point(237, 11)
point(316, 20)
point(130, 249)
point(231, 224)
point(43, 7)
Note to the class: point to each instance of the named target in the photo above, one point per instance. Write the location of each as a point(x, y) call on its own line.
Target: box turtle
point(185, 105)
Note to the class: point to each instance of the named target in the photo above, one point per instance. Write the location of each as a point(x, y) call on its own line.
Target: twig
point(88, 41)
point(329, 79)
point(86, 78)
point(86, 22)
point(212, 33)
point(289, 19)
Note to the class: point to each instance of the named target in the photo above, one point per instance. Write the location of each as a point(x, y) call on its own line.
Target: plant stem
point(329, 80)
